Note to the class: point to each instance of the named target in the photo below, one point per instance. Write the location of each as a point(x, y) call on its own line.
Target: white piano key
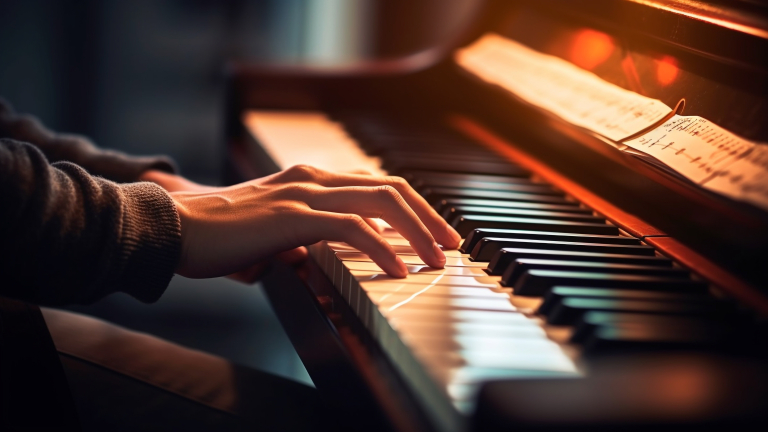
point(459, 315)
point(422, 269)
point(450, 329)
point(426, 280)
point(474, 345)
point(548, 361)
point(414, 260)
point(435, 302)
point(284, 136)
point(378, 291)
point(475, 374)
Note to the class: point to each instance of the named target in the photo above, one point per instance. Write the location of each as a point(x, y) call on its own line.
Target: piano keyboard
point(540, 284)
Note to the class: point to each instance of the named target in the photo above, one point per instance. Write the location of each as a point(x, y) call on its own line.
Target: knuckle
point(390, 193)
point(302, 172)
point(352, 222)
point(397, 182)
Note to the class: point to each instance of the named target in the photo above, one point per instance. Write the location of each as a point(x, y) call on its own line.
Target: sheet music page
point(710, 156)
point(566, 90)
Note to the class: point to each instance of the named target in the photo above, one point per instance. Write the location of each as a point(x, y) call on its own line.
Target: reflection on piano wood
point(582, 269)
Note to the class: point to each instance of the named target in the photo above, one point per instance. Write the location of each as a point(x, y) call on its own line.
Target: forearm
point(109, 164)
point(69, 237)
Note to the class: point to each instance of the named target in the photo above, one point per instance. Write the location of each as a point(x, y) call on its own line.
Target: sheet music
point(710, 156)
point(566, 90)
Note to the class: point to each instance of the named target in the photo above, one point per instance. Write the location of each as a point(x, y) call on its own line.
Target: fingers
point(375, 225)
point(381, 202)
point(442, 232)
point(293, 256)
point(353, 230)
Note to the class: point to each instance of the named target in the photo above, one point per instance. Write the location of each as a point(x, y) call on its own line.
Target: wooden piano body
point(714, 57)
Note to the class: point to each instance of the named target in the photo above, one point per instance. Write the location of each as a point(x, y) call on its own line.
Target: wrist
point(172, 182)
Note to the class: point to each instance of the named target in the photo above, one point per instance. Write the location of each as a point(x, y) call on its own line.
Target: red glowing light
point(666, 70)
point(590, 48)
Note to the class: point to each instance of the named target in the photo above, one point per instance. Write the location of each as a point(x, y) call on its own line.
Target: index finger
point(441, 231)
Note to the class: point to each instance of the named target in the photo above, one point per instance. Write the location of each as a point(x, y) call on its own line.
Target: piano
point(592, 290)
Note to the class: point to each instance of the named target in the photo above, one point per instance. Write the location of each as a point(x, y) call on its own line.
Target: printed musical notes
point(562, 88)
point(710, 156)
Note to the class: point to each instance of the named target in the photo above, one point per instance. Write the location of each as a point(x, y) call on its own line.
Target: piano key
point(548, 358)
point(452, 165)
point(397, 156)
point(444, 207)
point(383, 291)
point(424, 280)
point(453, 213)
point(632, 338)
point(398, 248)
point(421, 178)
point(538, 282)
point(396, 301)
point(520, 266)
point(443, 329)
point(570, 310)
point(478, 234)
point(489, 246)
point(466, 224)
point(558, 293)
point(434, 195)
point(449, 316)
point(479, 343)
point(419, 269)
point(593, 319)
point(411, 260)
point(533, 188)
point(505, 257)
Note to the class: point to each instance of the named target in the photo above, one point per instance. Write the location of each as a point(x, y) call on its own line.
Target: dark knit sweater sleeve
point(77, 149)
point(69, 237)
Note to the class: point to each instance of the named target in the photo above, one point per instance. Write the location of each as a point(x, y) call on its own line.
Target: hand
point(225, 230)
point(173, 182)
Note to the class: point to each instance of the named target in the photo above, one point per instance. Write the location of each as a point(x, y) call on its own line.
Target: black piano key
point(434, 195)
point(516, 188)
point(466, 224)
point(474, 237)
point(489, 246)
point(538, 282)
point(558, 293)
point(520, 266)
point(505, 257)
point(589, 321)
point(444, 207)
point(571, 309)
point(454, 165)
point(421, 178)
point(635, 338)
point(397, 156)
point(456, 212)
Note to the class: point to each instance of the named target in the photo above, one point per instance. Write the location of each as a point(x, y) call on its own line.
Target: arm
point(68, 237)
point(79, 150)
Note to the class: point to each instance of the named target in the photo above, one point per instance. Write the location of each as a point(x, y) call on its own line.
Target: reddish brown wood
point(731, 285)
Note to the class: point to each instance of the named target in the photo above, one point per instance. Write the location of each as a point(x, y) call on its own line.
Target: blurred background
point(145, 77)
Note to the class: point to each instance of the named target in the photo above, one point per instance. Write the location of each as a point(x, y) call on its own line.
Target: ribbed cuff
point(150, 241)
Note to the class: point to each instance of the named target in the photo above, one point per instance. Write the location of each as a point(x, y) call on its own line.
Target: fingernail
point(403, 269)
point(438, 253)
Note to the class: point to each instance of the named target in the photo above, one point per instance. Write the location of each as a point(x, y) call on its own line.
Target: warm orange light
point(666, 70)
point(590, 48)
